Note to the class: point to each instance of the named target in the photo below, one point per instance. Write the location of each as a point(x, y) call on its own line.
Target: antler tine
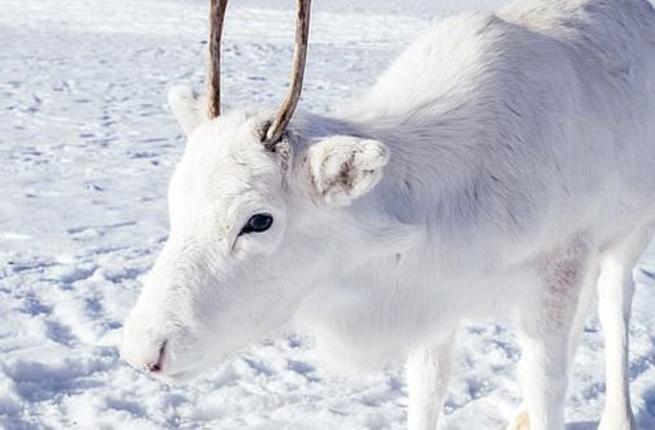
point(216, 17)
point(297, 73)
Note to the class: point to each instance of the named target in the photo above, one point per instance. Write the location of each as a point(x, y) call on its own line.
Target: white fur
point(502, 166)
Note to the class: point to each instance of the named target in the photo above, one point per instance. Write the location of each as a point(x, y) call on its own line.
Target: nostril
point(159, 364)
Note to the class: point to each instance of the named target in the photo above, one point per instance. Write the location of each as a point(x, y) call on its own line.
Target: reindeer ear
point(342, 168)
point(186, 107)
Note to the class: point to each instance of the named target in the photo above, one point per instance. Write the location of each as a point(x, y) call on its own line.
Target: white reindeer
point(504, 165)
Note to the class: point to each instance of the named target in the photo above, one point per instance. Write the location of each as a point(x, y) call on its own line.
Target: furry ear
point(342, 168)
point(186, 107)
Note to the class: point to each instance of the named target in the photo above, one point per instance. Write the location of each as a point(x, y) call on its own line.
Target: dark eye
point(258, 223)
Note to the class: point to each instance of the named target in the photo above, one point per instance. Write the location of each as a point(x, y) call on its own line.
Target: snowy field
point(87, 145)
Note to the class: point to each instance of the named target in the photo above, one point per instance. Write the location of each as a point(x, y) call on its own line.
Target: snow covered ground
point(87, 145)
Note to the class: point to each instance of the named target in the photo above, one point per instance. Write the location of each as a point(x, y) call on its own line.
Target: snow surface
point(87, 145)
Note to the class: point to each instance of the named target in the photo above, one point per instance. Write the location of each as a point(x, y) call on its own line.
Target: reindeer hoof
point(520, 422)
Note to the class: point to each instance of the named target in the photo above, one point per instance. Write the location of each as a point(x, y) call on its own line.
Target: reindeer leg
point(428, 374)
point(615, 291)
point(545, 322)
point(543, 372)
point(521, 420)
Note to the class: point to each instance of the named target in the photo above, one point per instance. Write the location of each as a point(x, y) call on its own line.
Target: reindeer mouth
point(178, 375)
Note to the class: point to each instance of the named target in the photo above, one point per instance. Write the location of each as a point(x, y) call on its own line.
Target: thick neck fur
point(446, 186)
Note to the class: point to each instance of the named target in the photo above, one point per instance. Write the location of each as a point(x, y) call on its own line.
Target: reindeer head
point(253, 212)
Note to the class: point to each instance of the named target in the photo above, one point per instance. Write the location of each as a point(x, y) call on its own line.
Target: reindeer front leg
point(543, 374)
point(522, 421)
point(615, 290)
point(428, 374)
point(545, 322)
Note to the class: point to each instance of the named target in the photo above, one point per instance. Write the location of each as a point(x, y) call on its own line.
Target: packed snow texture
point(87, 145)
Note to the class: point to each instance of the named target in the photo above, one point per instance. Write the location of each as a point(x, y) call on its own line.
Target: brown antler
point(299, 56)
point(216, 16)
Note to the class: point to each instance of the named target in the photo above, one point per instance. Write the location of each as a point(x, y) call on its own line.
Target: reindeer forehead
point(221, 163)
